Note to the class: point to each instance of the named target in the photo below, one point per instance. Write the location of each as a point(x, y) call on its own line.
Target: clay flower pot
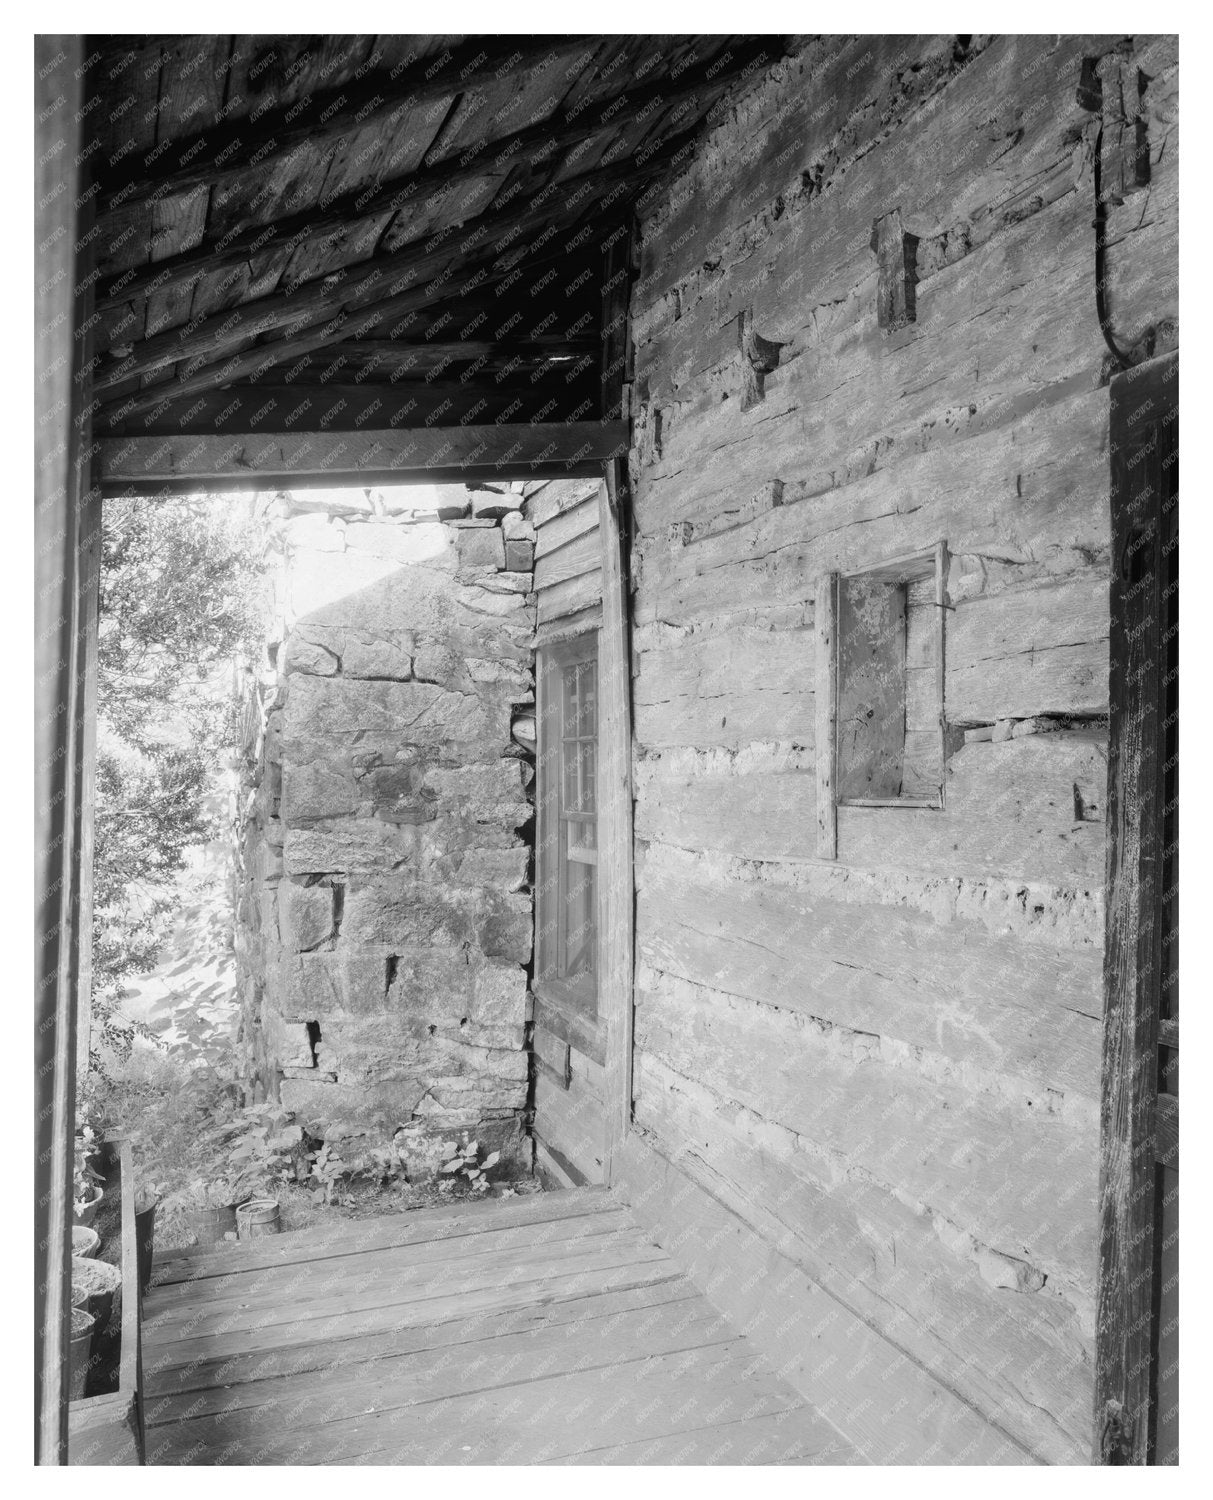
point(211, 1226)
point(145, 1238)
point(85, 1240)
point(83, 1324)
point(94, 1283)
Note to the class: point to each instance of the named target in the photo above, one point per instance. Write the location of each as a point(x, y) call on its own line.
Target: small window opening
point(890, 712)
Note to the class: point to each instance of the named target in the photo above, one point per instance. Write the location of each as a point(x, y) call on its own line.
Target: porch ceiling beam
point(245, 410)
point(546, 140)
point(337, 457)
point(475, 242)
point(260, 363)
point(229, 148)
point(468, 474)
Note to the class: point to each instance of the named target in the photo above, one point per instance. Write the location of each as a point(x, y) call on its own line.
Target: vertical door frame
point(67, 539)
point(1140, 400)
point(615, 845)
point(615, 875)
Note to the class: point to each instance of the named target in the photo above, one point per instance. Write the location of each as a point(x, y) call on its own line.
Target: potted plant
point(87, 1189)
point(83, 1324)
point(85, 1240)
point(94, 1283)
point(209, 1209)
point(147, 1200)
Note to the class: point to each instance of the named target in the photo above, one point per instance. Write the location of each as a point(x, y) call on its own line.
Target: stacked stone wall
point(385, 911)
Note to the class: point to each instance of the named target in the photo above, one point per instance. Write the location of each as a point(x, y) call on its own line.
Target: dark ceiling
point(297, 231)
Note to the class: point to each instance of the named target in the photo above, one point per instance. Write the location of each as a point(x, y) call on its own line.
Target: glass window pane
point(580, 772)
point(580, 926)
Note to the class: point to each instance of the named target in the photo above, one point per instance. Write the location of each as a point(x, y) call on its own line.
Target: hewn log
point(1008, 812)
point(883, 1261)
point(866, 953)
point(274, 459)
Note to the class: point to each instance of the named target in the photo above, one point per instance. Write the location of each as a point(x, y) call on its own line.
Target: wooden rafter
point(470, 245)
point(229, 148)
point(546, 140)
point(318, 324)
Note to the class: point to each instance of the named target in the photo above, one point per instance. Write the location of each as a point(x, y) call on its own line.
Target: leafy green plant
point(464, 1161)
point(85, 1180)
point(180, 597)
point(337, 1165)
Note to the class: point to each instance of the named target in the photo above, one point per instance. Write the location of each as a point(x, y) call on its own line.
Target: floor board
point(546, 1329)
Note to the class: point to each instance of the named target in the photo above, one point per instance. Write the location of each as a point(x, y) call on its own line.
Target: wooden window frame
point(921, 564)
point(552, 661)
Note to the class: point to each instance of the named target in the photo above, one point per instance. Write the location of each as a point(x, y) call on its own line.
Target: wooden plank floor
point(541, 1329)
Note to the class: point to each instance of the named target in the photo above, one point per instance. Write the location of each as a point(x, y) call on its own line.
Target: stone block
point(315, 788)
point(301, 655)
point(366, 980)
point(502, 869)
point(422, 544)
point(519, 556)
point(365, 656)
point(481, 547)
point(312, 986)
point(439, 664)
point(517, 527)
point(490, 789)
point(402, 912)
point(430, 984)
point(322, 713)
point(492, 504)
point(289, 1043)
point(499, 995)
point(340, 1109)
point(305, 914)
point(503, 926)
point(355, 846)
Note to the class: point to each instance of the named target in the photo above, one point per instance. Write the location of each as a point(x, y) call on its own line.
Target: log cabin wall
point(865, 324)
point(569, 1046)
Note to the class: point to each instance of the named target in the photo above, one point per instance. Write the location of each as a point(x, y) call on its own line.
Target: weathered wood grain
point(726, 689)
point(1009, 811)
point(514, 448)
point(578, 556)
point(305, 1247)
point(566, 526)
point(616, 890)
point(828, 947)
point(923, 1290)
point(819, 1343)
point(569, 597)
point(1144, 411)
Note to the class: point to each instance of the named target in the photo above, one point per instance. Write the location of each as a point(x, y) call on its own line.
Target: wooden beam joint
point(896, 252)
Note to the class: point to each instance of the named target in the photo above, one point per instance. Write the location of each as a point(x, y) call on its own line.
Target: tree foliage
point(180, 599)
